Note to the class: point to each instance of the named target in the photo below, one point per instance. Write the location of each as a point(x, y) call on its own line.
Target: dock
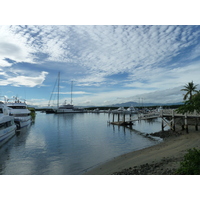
point(170, 118)
point(128, 119)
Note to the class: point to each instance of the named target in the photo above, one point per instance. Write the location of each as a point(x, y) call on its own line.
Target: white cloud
point(75, 92)
point(27, 81)
point(14, 47)
point(153, 57)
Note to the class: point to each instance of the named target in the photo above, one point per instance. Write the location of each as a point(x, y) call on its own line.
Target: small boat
point(132, 110)
point(96, 110)
point(49, 111)
point(7, 125)
point(20, 112)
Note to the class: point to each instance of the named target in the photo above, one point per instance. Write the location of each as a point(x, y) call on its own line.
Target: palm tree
point(189, 88)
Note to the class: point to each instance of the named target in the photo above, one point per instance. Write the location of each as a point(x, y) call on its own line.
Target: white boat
point(132, 110)
point(7, 125)
point(20, 112)
point(66, 108)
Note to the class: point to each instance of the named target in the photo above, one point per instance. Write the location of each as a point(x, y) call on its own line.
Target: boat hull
point(22, 121)
point(59, 111)
point(7, 133)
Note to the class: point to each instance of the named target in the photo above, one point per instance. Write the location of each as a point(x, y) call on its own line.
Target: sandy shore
point(172, 149)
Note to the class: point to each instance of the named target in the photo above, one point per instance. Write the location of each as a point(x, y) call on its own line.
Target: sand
point(173, 148)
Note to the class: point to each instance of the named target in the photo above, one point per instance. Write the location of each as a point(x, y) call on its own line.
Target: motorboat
point(132, 110)
point(7, 125)
point(121, 109)
point(20, 112)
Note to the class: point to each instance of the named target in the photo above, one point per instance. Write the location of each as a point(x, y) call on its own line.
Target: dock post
point(162, 125)
point(124, 117)
point(186, 123)
point(196, 120)
point(182, 122)
point(113, 117)
point(118, 116)
point(173, 121)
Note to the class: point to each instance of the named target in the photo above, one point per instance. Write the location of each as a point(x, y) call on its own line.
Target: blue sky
point(108, 64)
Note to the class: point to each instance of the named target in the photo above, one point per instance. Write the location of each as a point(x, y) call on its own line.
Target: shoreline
point(163, 158)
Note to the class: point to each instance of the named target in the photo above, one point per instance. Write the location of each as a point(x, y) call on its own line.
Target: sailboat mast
point(58, 89)
point(71, 91)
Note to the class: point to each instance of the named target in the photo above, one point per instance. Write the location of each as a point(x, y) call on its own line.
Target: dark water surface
point(71, 144)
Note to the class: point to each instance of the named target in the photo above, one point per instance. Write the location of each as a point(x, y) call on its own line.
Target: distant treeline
point(139, 107)
point(114, 108)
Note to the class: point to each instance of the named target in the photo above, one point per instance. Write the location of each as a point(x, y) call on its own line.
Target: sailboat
point(66, 108)
point(51, 109)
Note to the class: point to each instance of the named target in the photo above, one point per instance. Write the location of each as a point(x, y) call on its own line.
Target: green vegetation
point(32, 112)
point(191, 163)
point(192, 99)
point(189, 88)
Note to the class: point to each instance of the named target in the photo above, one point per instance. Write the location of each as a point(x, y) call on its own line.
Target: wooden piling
point(162, 124)
point(186, 123)
point(124, 118)
point(196, 121)
point(173, 121)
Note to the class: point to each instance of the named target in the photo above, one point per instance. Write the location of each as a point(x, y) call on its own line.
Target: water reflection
point(68, 144)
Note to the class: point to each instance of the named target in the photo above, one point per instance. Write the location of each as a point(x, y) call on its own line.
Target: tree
point(189, 88)
point(191, 105)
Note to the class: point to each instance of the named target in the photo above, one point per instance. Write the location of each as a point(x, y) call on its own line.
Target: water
point(71, 144)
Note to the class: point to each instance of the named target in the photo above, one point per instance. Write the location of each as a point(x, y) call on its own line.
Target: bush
point(190, 164)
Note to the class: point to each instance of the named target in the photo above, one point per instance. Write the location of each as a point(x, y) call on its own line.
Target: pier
point(169, 117)
point(128, 118)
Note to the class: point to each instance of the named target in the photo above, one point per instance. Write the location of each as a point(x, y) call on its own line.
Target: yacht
point(7, 125)
point(19, 110)
point(132, 110)
point(65, 108)
point(68, 108)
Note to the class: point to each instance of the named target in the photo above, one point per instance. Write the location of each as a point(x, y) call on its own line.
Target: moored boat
point(7, 125)
point(68, 108)
point(20, 112)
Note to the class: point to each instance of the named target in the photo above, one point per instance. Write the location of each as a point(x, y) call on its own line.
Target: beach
point(163, 158)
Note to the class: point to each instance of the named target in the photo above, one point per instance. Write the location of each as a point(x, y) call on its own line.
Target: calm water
point(71, 144)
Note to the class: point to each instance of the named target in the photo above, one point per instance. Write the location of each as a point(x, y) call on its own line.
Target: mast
point(71, 91)
point(58, 89)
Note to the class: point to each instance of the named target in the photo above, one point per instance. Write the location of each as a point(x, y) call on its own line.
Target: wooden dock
point(123, 121)
point(169, 117)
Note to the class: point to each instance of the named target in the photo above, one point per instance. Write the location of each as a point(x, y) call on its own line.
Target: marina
point(71, 143)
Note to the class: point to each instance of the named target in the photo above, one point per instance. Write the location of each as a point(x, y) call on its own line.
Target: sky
point(108, 64)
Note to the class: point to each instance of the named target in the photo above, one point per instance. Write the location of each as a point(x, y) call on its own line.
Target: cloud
point(150, 57)
point(27, 81)
point(14, 47)
point(75, 92)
